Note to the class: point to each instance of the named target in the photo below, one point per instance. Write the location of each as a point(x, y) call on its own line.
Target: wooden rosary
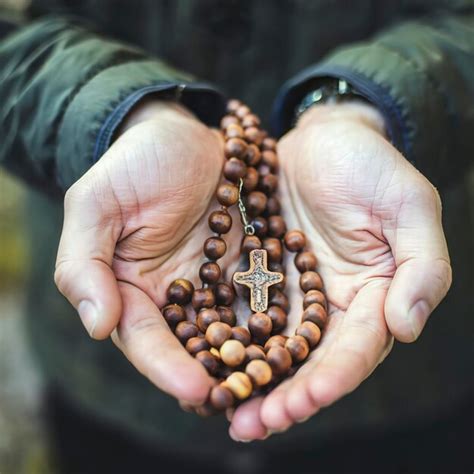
point(247, 361)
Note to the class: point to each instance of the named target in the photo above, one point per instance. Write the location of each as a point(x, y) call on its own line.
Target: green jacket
point(64, 90)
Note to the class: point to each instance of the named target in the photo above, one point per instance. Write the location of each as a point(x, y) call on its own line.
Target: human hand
point(374, 222)
point(133, 223)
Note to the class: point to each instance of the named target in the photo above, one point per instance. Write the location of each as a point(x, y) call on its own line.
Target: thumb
point(423, 274)
point(83, 266)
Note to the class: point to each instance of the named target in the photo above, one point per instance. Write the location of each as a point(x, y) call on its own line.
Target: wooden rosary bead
point(279, 359)
point(276, 226)
point(298, 347)
point(305, 261)
point(226, 315)
point(217, 333)
point(196, 344)
point(278, 298)
point(260, 225)
point(277, 340)
point(310, 281)
point(205, 318)
point(227, 120)
point(310, 332)
point(173, 314)
point(251, 180)
point(215, 248)
point(273, 206)
point(314, 296)
point(234, 130)
point(227, 194)
point(253, 135)
point(255, 203)
point(273, 248)
point(235, 147)
point(250, 120)
point(180, 291)
point(250, 242)
point(270, 158)
point(295, 241)
point(203, 298)
point(232, 353)
point(210, 272)
point(221, 397)
point(242, 111)
point(259, 372)
point(316, 314)
point(269, 144)
point(234, 169)
point(279, 318)
point(225, 294)
point(210, 363)
point(264, 170)
point(239, 384)
point(260, 326)
point(241, 334)
point(268, 184)
point(253, 155)
point(254, 351)
point(233, 105)
point(186, 330)
point(220, 222)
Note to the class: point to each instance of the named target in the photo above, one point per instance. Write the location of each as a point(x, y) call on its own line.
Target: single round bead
point(278, 298)
point(274, 249)
point(196, 344)
point(217, 333)
point(268, 184)
point(254, 351)
point(259, 371)
point(273, 206)
point(232, 353)
point(279, 318)
point(279, 359)
point(210, 272)
point(214, 248)
point(255, 203)
point(250, 120)
point(260, 225)
point(295, 240)
point(270, 158)
point(242, 111)
point(253, 156)
point(234, 169)
point(206, 317)
point(180, 291)
point(316, 314)
point(173, 314)
point(264, 170)
point(314, 296)
point(298, 347)
point(310, 332)
point(227, 194)
point(253, 135)
point(250, 242)
point(225, 294)
point(186, 330)
point(233, 105)
point(276, 226)
point(234, 130)
point(203, 298)
point(210, 363)
point(227, 120)
point(260, 326)
point(226, 315)
point(220, 222)
point(221, 397)
point(269, 144)
point(310, 281)
point(239, 384)
point(251, 180)
point(277, 340)
point(305, 261)
point(235, 147)
point(241, 334)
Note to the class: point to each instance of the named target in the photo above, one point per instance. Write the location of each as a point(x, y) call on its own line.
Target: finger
point(361, 343)
point(146, 340)
point(246, 424)
point(423, 274)
point(83, 266)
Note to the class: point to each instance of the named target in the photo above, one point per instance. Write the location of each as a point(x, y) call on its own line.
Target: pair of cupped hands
point(138, 219)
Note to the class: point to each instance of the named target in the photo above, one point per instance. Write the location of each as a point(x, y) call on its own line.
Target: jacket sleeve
point(64, 91)
point(421, 76)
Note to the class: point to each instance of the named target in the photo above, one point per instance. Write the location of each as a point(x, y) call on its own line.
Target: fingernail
point(282, 430)
point(236, 438)
point(417, 316)
point(302, 420)
point(88, 315)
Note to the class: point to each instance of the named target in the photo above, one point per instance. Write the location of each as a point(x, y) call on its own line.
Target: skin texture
point(138, 218)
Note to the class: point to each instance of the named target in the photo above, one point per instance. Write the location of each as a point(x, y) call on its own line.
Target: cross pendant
point(258, 278)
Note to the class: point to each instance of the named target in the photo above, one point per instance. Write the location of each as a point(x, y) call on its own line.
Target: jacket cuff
point(113, 92)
